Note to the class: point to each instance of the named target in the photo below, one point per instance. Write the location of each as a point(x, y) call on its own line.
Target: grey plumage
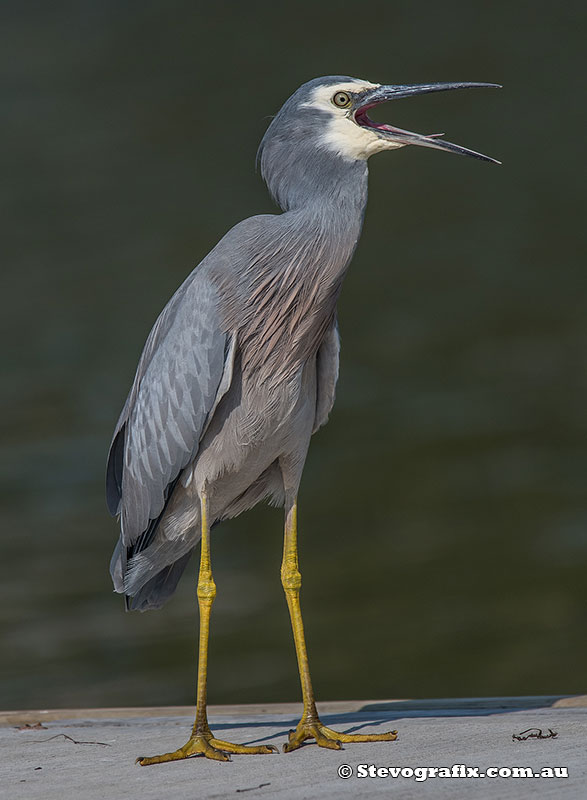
point(241, 366)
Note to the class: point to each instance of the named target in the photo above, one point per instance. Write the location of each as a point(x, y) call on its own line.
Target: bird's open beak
point(382, 94)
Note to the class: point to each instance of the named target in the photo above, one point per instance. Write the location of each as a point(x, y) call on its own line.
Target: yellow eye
point(342, 99)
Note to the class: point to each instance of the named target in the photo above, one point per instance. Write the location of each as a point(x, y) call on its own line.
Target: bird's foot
point(205, 744)
point(325, 737)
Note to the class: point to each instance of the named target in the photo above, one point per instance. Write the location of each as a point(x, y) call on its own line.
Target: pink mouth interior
point(365, 121)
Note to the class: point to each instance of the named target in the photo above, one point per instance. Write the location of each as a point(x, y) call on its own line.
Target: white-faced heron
point(240, 370)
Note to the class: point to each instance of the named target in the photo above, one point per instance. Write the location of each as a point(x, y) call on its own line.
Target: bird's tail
point(158, 589)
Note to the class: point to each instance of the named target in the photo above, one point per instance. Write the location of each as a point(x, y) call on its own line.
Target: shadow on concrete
point(390, 712)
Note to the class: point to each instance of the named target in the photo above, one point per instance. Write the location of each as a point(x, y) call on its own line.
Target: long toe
point(326, 737)
point(187, 751)
point(348, 738)
point(243, 749)
point(190, 750)
point(204, 744)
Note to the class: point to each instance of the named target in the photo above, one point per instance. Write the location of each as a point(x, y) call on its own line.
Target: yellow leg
point(309, 726)
point(202, 742)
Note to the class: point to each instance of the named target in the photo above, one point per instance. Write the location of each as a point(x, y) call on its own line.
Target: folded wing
point(183, 368)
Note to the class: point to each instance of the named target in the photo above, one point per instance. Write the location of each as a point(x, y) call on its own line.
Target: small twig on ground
point(68, 738)
point(252, 788)
point(534, 733)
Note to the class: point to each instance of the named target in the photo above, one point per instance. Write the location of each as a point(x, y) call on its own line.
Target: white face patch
point(342, 134)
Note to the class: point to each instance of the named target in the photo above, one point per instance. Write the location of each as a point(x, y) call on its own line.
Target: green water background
point(443, 511)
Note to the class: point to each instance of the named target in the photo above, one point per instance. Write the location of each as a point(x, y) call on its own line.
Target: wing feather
point(176, 387)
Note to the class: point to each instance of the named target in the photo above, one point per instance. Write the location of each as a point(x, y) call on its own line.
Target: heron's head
point(324, 128)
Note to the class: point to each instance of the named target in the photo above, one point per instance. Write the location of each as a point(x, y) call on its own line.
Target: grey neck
point(322, 221)
point(324, 198)
point(284, 298)
point(322, 183)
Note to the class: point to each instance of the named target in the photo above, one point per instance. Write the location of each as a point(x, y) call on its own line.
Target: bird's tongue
point(401, 136)
point(363, 119)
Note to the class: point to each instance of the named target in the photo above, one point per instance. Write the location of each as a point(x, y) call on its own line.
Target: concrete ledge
point(333, 707)
point(90, 753)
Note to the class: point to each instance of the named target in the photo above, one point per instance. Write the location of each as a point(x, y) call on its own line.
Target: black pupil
point(342, 99)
